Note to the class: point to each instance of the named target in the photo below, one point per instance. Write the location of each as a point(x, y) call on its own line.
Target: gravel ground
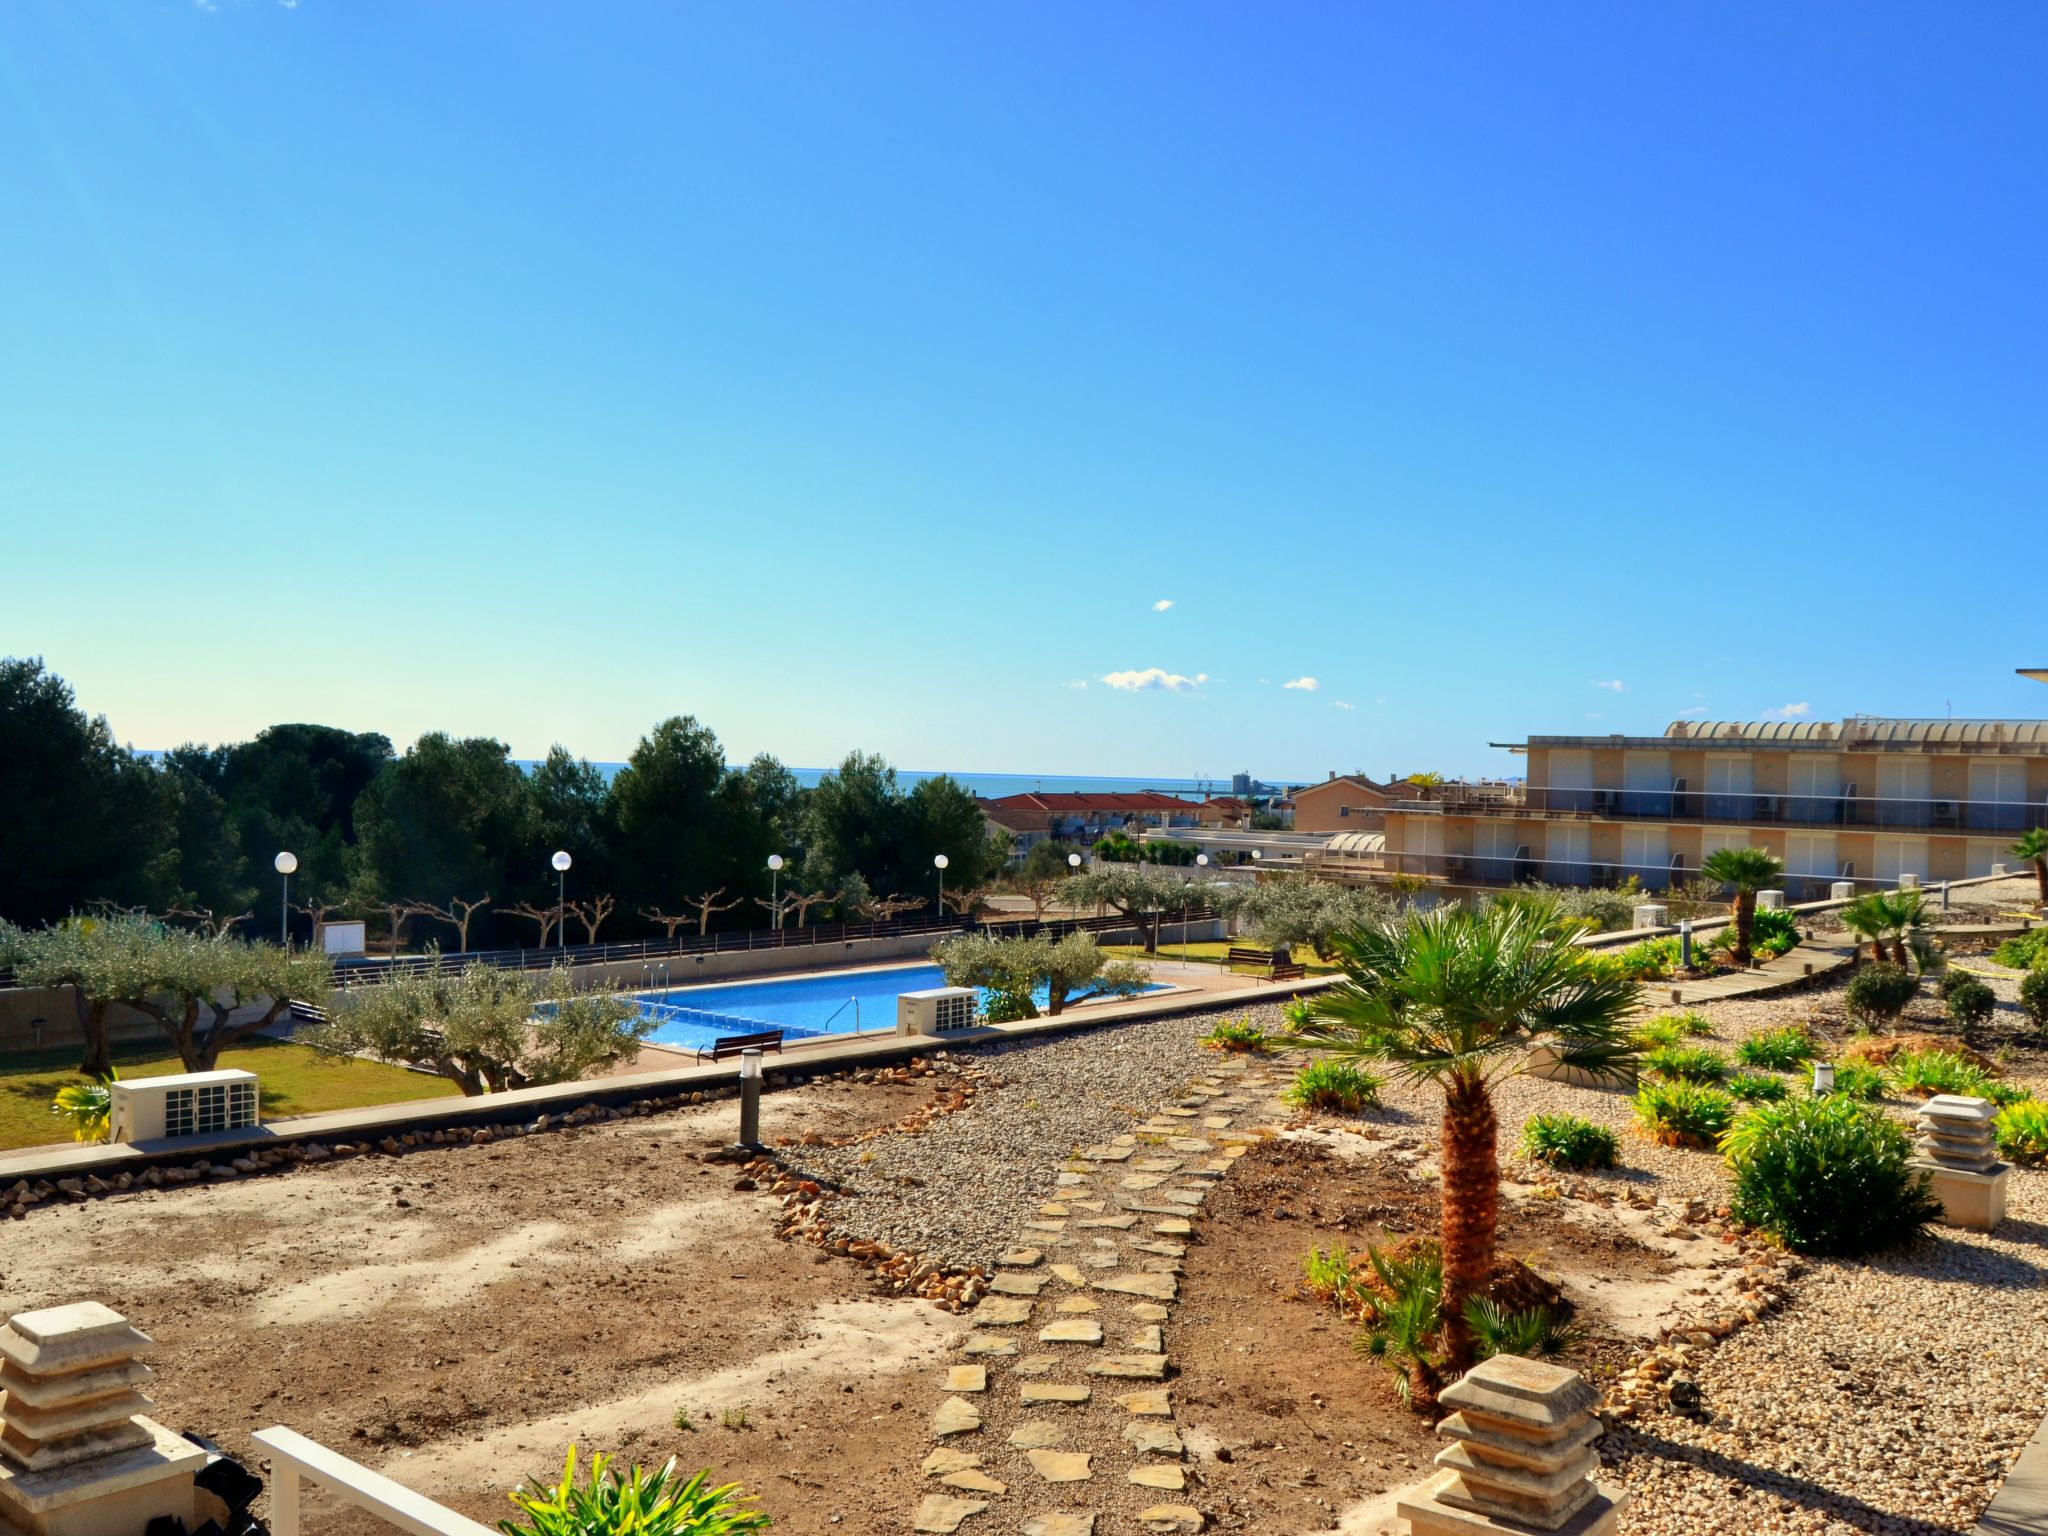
point(958, 1191)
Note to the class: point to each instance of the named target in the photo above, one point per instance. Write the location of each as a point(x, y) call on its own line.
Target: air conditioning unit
point(190, 1104)
point(936, 1011)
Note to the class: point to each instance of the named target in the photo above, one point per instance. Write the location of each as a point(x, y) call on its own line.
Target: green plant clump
point(1858, 1080)
point(1758, 1087)
point(2034, 996)
point(1337, 1087)
point(1239, 1036)
point(1673, 1028)
point(1683, 1114)
point(1690, 1063)
point(89, 1106)
point(2022, 1131)
point(2024, 951)
point(1880, 992)
point(1568, 1141)
point(1827, 1175)
point(1930, 1072)
point(1650, 960)
point(1404, 1323)
point(1969, 1001)
point(638, 1504)
point(1778, 1050)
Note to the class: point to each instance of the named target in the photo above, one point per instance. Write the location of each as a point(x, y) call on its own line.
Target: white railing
point(293, 1456)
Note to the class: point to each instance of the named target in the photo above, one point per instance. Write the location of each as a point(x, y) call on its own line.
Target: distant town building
point(1349, 802)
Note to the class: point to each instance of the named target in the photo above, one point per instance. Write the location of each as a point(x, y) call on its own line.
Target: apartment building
point(1866, 799)
point(1349, 802)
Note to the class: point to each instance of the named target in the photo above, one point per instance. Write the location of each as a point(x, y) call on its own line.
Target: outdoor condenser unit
point(935, 1011)
point(191, 1104)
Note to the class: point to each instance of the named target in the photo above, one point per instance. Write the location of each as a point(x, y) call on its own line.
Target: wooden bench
point(732, 1045)
point(1268, 962)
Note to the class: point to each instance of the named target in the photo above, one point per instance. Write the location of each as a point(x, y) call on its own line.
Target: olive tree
point(1070, 970)
point(210, 994)
point(487, 1029)
point(1134, 891)
point(1299, 911)
point(103, 962)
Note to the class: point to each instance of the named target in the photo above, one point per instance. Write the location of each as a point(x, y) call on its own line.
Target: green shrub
point(640, 1504)
point(1335, 1086)
point(1951, 978)
point(1858, 1080)
point(1330, 1274)
point(1757, 1087)
point(1673, 1028)
point(1827, 1175)
point(1930, 1072)
point(2024, 951)
point(2023, 1131)
point(1651, 960)
point(1880, 992)
point(89, 1106)
point(2005, 1093)
point(1683, 1114)
point(1693, 1063)
point(1567, 1141)
point(1779, 1050)
point(2034, 996)
point(1240, 1036)
point(1969, 1001)
point(1773, 933)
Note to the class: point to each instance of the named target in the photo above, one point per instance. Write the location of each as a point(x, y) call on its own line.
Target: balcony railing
point(1526, 865)
point(1681, 802)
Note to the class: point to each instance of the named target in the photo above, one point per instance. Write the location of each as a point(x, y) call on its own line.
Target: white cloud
point(1340, 704)
point(1303, 685)
point(1079, 682)
point(1790, 711)
point(1162, 605)
point(1154, 680)
point(1612, 684)
point(1697, 709)
point(1594, 714)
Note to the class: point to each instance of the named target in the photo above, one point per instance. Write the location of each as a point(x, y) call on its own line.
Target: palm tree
point(2033, 847)
point(1905, 914)
point(1869, 918)
point(1746, 871)
point(1456, 997)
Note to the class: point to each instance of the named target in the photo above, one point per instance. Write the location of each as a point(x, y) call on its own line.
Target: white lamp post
point(561, 861)
point(775, 886)
point(1202, 862)
point(939, 862)
point(285, 863)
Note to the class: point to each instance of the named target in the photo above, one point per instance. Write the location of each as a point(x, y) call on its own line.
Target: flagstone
point(1051, 1228)
point(941, 1513)
point(1036, 1365)
point(1159, 1287)
point(1148, 1312)
point(1137, 1367)
point(1009, 1284)
point(1036, 1434)
point(1171, 1519)
point(1073, 1330)
point(956, 1416)
point(1153, 1403)
point(1141, 1181)
point(1158, 1164)
point(1105, 1154)
point(1171, 1478)
point(1154, 1439)
point(1190, 1144)
point(1101, 1260)
point(1174, 1111)
point(1160, 1266)
point(1061, 1466)
point(1148, 1340)
point(1216, 1122)
point(1021, 1258)
point(1094, 1206)
point(1052, 1208)
point(1163, 1250)
point(1069, 1180)
point(989, 1344)
point(980, 1482)
point(1070, 1273)
point(1173, 1226)
point(967, 1378)
point(945, 1460)
point(1109, 1223)
point(1060, 1525)
point(1000, 1311)
point(1053, 1392)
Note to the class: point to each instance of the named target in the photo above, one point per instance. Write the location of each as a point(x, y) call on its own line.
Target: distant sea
point(993, 786)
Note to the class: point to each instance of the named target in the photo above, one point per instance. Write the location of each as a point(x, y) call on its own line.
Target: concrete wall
point(20, 1008)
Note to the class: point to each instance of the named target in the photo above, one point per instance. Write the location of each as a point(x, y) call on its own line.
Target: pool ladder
point(854, 1002)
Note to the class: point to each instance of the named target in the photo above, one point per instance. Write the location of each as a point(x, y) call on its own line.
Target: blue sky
point(872, 375)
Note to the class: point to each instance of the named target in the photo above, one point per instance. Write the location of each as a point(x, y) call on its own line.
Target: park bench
point(1273, 964)
point(732, 1045)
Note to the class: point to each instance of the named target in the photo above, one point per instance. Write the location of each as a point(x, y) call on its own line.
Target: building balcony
point(1682, 804)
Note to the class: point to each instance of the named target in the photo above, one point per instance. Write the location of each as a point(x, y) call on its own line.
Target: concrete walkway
point(1075, 1333)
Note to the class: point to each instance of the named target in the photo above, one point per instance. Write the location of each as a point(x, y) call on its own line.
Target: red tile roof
point(1082, 803)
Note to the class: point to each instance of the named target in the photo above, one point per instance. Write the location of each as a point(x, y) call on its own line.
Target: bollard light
point(1823, 1078)
point(750, 1098)
point(1685, 943)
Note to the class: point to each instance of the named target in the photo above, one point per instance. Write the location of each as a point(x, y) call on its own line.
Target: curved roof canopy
point(1355, 844)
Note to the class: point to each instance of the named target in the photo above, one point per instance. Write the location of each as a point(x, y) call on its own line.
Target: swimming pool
point(800, 1006)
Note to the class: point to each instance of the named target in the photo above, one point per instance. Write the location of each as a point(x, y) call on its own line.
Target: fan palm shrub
point(1341, 1087)
point(1677, 1113)
point(1456, 998)
point(1867, 919)
point(1745, 871)
point(1906, 915)
point(89, 1105)
point(1688, 1063)
point(2033, 849)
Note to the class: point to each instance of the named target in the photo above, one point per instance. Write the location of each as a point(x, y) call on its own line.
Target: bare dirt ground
point(1291, 1428)
point(457, 1316)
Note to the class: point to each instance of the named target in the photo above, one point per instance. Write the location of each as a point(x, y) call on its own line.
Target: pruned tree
point(1134, 891)
point(881, 909)
point(214, 993)
point(486, 1029)
point(777, 907)
point(396, 915)
point(802, 902)
point(1039, 877)
point(208, 922)
point(966, 903)
point(317, 912)
point(709, 906)
point(668, 922)
point(457, 914)
point(591, 914)
point(546, 917)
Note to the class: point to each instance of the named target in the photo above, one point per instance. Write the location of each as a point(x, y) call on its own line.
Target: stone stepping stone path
point(1022, 1442)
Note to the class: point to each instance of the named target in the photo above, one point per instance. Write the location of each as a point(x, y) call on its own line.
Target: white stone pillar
point(1959, 1150)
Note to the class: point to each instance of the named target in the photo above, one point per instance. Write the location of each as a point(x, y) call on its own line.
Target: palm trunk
point(1899, 957)
point(2041, 874)
point(1471, 1209)
point(1877, 950)
point(1745, 920)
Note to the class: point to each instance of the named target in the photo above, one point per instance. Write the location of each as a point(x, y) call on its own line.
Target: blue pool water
point(800, 1006)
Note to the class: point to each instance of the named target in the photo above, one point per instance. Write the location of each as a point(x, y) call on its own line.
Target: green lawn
point(296, 1079)
point(1213, 953)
